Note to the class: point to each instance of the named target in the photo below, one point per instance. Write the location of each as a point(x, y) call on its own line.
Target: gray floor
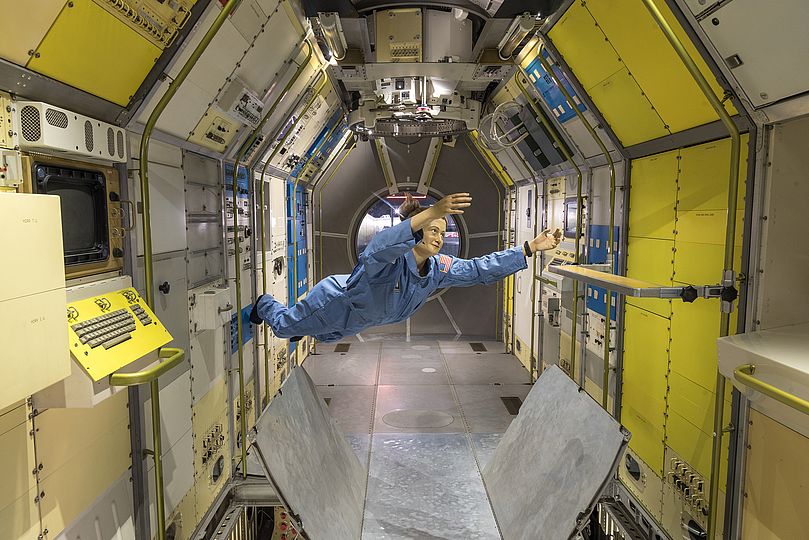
point(423, 417)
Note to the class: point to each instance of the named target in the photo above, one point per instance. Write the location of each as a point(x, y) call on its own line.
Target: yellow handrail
point(237, 246)
point(176, 355)
point(320, 196)
point(508, 286)
point(172, 357)
point(730, 237)
point(744, 374)
point(569, 157)
point(610, 233)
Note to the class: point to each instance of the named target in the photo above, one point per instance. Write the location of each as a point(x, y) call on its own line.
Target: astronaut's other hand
point(546, 240)
point(453, 204)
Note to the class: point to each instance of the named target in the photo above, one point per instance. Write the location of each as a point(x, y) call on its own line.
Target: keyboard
point(109, 331)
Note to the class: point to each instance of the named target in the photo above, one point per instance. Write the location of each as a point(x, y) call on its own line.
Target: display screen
point(83, 201)
point(571, 208)
point(78, 223)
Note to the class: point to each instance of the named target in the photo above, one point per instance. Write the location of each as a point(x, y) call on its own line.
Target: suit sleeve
point(387, 246)
point(482, 270)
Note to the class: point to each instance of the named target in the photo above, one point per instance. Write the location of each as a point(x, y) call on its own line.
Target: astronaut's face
point(433, 238)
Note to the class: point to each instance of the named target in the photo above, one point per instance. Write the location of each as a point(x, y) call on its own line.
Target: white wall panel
point(109, 518)
point(167, 200)
point(266, 60)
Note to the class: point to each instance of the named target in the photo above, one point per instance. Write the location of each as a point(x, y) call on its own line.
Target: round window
point(382, 215)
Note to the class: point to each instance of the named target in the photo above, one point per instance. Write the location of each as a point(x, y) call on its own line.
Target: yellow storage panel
point(692, 401)
point(23, 35)
point(651, 260)
point(654, 63)
point(703, 181)
point(585, 47)
point(90, 49)
point(17, 460)
point(694, 330)
point(627, 110)
point(646, 358)
point(83, 452)
point(20, 519)
point(694, 445)
point(776, 481)
point(653, 196)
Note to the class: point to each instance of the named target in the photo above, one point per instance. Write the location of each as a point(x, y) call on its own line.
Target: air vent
point(120, 140)
point(110, 141)
point(56, 118)
point(342, 347)
point(29, 123)
point(88, 136)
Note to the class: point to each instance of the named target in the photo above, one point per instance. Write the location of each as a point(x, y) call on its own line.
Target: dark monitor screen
point(83, 201)
point(78, 211)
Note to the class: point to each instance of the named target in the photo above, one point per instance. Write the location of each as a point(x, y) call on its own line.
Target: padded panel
point(653, 196)
point(655, 64)
point(90, 49)
point(651, 260)
point(628, 111)
point(584, 46)
point(646, 361)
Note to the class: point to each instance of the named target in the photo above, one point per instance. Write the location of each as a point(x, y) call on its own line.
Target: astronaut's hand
point(254, 318)
point(546, 240)
point(452, 204)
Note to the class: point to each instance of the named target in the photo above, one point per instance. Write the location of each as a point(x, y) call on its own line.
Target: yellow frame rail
point(237, 246)
point(176, 355)
point(171, 358)
point(745, 375)
point(730, 236)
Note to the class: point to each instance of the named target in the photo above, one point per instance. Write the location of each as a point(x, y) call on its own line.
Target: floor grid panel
point(424, 479)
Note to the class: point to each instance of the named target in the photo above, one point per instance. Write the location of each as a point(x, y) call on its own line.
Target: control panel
point(685, 493)
point(283, 529)
point(110, 331)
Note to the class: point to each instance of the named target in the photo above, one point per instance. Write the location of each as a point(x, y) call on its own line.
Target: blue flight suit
point(385, 287)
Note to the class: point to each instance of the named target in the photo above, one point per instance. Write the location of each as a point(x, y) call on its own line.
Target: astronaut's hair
point(410, 208)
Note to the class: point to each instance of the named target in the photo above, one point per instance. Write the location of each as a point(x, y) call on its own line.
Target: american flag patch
point(444, 262)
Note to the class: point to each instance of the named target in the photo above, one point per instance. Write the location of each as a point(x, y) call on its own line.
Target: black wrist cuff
point(527, 247)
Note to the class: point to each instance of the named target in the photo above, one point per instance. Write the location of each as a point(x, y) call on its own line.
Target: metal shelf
point(619, 284)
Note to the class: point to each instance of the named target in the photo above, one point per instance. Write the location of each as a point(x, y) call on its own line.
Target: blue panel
point(597, 254)
point(247, 328)
point(550, 92)
point(296, 227)
point(241, 180)
point(599, 240)
point(328, 145)
point(596, 300)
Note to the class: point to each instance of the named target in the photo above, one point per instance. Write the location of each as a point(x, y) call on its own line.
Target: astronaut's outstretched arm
point(494, 266)
point(482, 270)
point(387, 246)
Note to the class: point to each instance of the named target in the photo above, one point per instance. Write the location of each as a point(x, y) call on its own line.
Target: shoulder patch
point(444, 263)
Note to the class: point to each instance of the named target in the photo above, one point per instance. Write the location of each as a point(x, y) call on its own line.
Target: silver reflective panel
point(310, 462)
point(554, 460)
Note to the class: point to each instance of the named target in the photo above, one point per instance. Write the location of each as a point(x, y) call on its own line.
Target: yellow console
point(110, 331)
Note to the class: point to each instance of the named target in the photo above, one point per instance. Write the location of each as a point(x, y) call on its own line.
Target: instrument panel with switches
point(110, 331)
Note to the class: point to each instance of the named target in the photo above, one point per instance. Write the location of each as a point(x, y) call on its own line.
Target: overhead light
point(333, 34)
point(520, 27)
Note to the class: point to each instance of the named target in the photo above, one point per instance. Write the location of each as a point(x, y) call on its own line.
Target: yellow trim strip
point(744, 374)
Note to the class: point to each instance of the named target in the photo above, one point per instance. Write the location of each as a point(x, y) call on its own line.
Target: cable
point(494, 141)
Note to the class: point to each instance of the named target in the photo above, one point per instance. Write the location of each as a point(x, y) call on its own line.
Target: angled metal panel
point(310, 463)
point(553, 462)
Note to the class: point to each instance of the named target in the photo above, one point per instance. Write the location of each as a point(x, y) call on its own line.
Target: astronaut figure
point(396, 274)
